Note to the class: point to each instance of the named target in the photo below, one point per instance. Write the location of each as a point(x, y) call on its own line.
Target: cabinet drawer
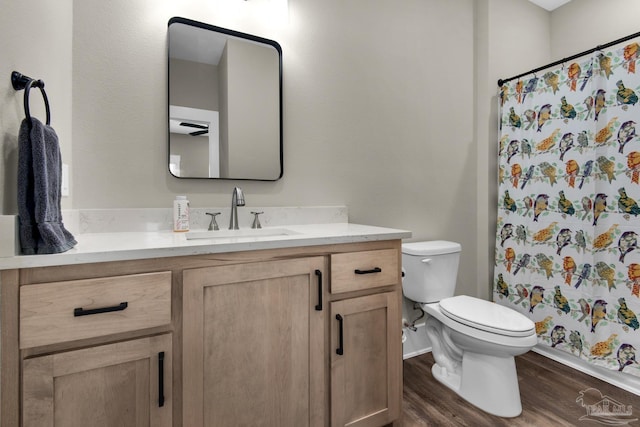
point(67, 311)
point(354, 271)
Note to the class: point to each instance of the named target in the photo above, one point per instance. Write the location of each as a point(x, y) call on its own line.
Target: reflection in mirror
point(225, 103)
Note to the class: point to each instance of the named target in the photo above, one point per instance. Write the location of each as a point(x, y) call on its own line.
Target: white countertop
point(103, 247)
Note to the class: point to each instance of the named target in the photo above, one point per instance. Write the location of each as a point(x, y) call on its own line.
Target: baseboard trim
point(416, 353)
point(625, 382)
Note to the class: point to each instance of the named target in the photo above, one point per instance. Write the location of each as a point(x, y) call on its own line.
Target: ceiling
point(191, 43)
point(549, 4)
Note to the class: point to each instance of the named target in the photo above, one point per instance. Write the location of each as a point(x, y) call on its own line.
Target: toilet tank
point(430, 270)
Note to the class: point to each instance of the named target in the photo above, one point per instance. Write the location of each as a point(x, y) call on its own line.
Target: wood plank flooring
point(548, 392)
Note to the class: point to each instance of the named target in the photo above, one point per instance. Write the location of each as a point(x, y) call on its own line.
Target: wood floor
point(548, 392)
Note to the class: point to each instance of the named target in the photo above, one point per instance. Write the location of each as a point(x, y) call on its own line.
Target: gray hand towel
point(39, 180)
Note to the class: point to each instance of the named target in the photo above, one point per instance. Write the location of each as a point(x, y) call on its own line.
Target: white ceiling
point(549, 4)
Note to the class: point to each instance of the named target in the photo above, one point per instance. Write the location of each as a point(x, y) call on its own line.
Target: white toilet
point(473, 341)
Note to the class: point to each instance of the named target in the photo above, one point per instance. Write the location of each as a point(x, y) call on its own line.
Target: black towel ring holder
point(21, 82)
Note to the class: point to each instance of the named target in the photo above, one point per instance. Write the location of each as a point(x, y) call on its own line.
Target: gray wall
point(194, 84)
point(35, 39)
point(253, 111)
point(583, 24)
point(224, 113)
point(389, 107)
point(193, 152)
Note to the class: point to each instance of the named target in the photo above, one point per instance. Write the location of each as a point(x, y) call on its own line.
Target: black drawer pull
point(82, 312)
point(319, 305)
point(161, 379)
point(375, 270)
point(340, 349)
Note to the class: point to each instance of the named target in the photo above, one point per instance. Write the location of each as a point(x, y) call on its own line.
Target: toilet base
point(488, 382)
point(450, 379)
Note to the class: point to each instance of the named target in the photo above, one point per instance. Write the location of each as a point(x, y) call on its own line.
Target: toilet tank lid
point(433, 247)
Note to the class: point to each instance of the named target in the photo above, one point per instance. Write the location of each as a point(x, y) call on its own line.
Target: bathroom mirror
point(225, 103)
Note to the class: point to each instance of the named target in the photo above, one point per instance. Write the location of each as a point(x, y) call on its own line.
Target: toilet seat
point(487, 316)
point(435, 310)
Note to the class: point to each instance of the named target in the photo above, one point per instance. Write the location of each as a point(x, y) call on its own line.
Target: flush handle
point(426, 260)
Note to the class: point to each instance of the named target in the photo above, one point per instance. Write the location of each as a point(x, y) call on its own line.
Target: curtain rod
point(570, 58)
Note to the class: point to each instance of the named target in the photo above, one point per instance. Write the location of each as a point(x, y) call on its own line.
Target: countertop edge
point(354, 233)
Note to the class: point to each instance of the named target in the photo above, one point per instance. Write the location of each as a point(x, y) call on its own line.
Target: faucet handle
point(213, 225)
point(256, 220)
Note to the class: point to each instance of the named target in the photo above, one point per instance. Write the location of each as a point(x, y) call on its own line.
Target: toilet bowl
point(473, 341)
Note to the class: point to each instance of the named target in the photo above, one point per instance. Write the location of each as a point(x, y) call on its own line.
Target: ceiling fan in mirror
point(187, 128)
point(204, 128)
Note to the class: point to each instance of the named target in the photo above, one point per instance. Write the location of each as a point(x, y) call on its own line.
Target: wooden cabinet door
point(114, 385)
point(366, 360)
point(253, 344)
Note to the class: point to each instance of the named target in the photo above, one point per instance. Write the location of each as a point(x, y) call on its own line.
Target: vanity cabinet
point(366, 348)
point(222, 339)
point(253, 344)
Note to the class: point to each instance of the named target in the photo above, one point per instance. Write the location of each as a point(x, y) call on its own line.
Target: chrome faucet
point(237, 199)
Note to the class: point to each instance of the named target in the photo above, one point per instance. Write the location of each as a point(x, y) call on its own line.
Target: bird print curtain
point(568, 218)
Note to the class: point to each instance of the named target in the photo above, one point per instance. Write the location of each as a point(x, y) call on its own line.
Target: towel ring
point(20, 82)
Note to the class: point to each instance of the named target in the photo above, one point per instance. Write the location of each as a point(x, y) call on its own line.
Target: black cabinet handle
point(375, 270)
point(319, 305)
point(82, 312)
point(340, 349)
point(161, 379)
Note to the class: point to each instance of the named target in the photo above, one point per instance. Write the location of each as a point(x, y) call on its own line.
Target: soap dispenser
point(181, 214)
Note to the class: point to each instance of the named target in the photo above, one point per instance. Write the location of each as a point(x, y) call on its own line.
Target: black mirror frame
point(238, 34)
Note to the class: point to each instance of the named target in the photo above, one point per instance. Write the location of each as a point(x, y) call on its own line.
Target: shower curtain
point(569, 216)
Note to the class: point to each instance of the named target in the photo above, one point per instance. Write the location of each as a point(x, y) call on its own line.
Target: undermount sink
point(240, 234)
